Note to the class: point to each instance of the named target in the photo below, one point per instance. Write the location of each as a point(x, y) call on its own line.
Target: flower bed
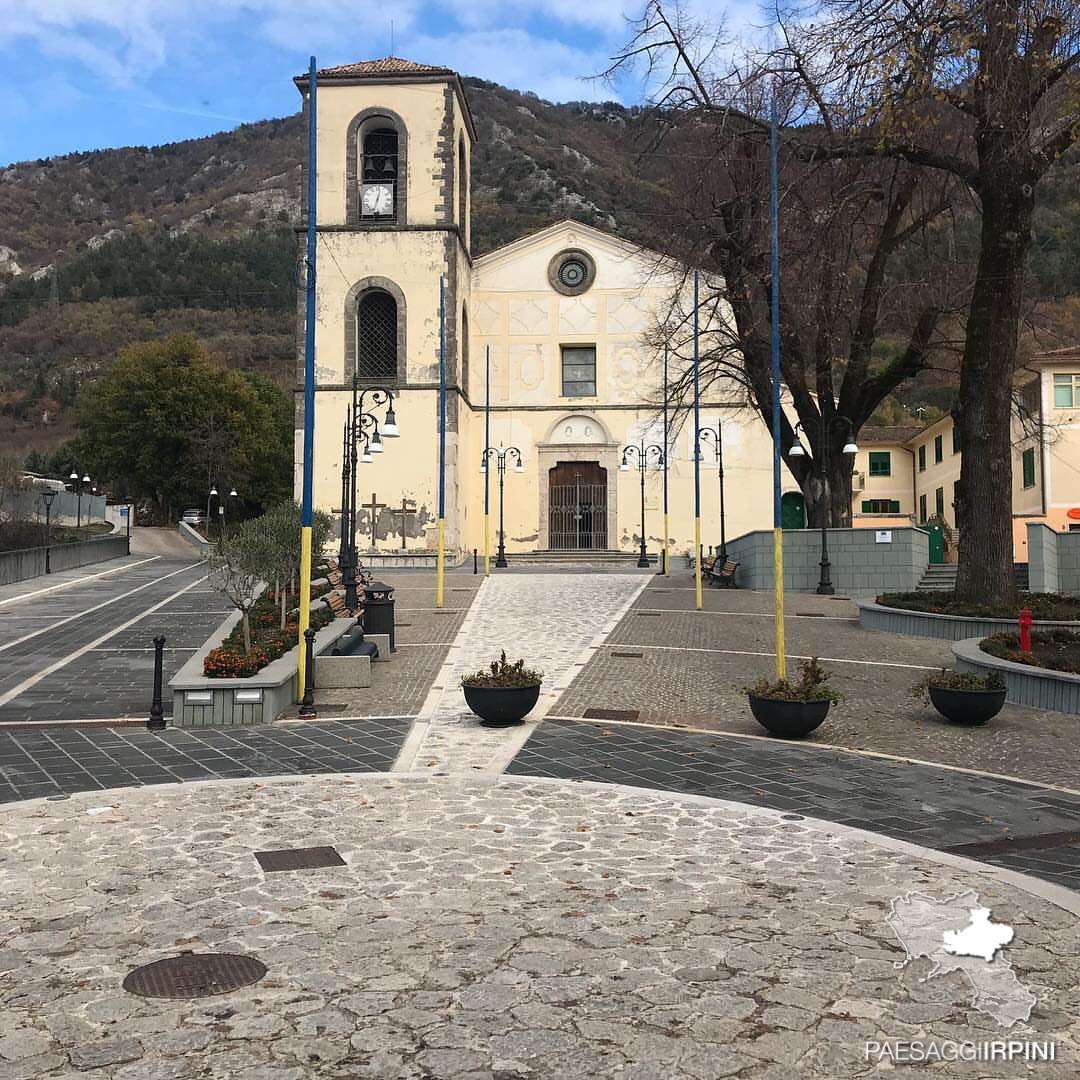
point(268, 640)
point(1047, 607)
point(1055, 650)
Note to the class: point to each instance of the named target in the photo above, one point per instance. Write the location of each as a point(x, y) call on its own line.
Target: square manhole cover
point(610, 714)
point(304, 858)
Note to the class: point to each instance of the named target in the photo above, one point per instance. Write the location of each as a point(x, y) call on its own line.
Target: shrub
point(501, 673)
point(811, 686)
point(956, 680)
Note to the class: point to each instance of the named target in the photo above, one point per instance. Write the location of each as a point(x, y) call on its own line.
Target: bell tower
point(394, 141)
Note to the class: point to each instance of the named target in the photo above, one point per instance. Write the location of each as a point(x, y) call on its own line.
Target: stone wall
point(30, 562)
point(860, 566)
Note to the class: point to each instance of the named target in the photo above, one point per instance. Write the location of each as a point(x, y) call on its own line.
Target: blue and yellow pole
point(309, 397)
point(667, 460)
point(697, 455)
point(487, 478)
point(440, 551)
point(778, 532)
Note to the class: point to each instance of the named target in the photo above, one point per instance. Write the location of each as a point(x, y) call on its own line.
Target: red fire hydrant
point(1025, 630)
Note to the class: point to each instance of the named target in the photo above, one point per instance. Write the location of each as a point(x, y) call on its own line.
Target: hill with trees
point(105, 249)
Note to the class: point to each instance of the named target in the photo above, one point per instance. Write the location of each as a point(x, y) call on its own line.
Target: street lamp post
point(500, 462)
point(47, 498)
point(825, 585)
point(78, 484)
point(641, 454)
point(715, 436)
point(362, 425)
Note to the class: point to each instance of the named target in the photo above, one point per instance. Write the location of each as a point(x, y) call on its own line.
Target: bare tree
point(864, 286)
point(988, 92)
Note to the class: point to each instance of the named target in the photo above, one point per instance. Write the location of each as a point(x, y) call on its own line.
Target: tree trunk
point(983, 410)
point(247, 632)
point(839, 502)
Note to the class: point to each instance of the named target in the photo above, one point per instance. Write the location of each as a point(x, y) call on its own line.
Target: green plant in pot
point(793, 708)
point(503, 693)
point(961, 696)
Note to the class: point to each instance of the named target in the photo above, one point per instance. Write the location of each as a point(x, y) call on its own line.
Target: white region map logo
point(957, 934)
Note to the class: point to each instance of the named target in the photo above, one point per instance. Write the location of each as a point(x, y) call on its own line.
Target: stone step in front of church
point(601, 557)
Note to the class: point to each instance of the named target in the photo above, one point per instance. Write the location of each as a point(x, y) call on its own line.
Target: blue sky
point(87, 74)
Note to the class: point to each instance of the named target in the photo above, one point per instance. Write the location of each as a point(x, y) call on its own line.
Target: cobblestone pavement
point(1021, 826)
point(423, 635)
point(85, 652)
point(673, 665)
point(554, 623)
point(504, 931)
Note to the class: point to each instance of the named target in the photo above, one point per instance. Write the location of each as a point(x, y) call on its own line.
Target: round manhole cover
point(192, 975)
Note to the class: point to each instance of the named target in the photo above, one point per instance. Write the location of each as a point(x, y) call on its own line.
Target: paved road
point(84, 651)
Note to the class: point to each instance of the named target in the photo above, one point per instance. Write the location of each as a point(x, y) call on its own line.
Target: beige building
point(911, 473)
point(561, 316)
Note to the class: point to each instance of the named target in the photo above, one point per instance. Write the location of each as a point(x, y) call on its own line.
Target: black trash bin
point(379, 610)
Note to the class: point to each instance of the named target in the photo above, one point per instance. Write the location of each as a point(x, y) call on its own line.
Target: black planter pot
point(789, 719)
point(499, 706)
point(967, 706)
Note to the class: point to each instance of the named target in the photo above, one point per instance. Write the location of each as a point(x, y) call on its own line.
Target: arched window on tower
point(376, 335)
point(465, 351)
point(379, 173)
point(463, 190)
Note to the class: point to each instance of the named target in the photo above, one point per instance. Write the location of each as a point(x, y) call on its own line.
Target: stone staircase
point(940, 577)
point(552, 559)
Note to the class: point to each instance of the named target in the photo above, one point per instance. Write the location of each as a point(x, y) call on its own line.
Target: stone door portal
point(577, 506)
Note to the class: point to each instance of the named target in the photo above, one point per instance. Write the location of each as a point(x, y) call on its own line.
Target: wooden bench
point(720, 573)
point(334, 577)
point(337, 603)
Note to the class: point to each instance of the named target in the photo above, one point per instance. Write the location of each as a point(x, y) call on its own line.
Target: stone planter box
point(948, 627)
point(1024, 685)
point(202, 702)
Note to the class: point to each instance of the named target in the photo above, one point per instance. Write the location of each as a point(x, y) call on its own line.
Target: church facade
point(546, 343)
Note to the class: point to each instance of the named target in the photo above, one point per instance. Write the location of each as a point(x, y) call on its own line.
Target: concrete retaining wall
point(30, 562)
point(1037, 687)
point(65, 509)
point(947, 627)
point(1053, 559)
point(860, 565)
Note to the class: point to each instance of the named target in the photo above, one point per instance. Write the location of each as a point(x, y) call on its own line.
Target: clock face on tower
point(377, 200)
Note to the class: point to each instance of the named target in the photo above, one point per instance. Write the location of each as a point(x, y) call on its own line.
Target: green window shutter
point(894, 506)
point(1028, 459)
point(880, 463)
point(939, 453)
point(922, 509)
point(866, 506)
point(955, 439)
point(922, 458)
point(939, 502)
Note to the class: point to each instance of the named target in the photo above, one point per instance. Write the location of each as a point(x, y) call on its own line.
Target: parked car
point(194, 517)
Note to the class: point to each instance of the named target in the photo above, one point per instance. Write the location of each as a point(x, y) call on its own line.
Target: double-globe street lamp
point(715, 437)
point(825, 585)
point(79, 486)
point(221, 508)
point(361, 426)
point(519, 467)
point(641, 453)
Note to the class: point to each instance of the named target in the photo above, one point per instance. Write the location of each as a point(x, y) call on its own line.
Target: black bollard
point(157, 714)
point(307, 703)
point(474, 550)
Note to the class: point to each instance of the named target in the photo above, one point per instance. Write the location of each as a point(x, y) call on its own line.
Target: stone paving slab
point(114, 678)
point(502, 931)
point(56, 761)
point(693, 666)
point(923, 804)
point(553, 623)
